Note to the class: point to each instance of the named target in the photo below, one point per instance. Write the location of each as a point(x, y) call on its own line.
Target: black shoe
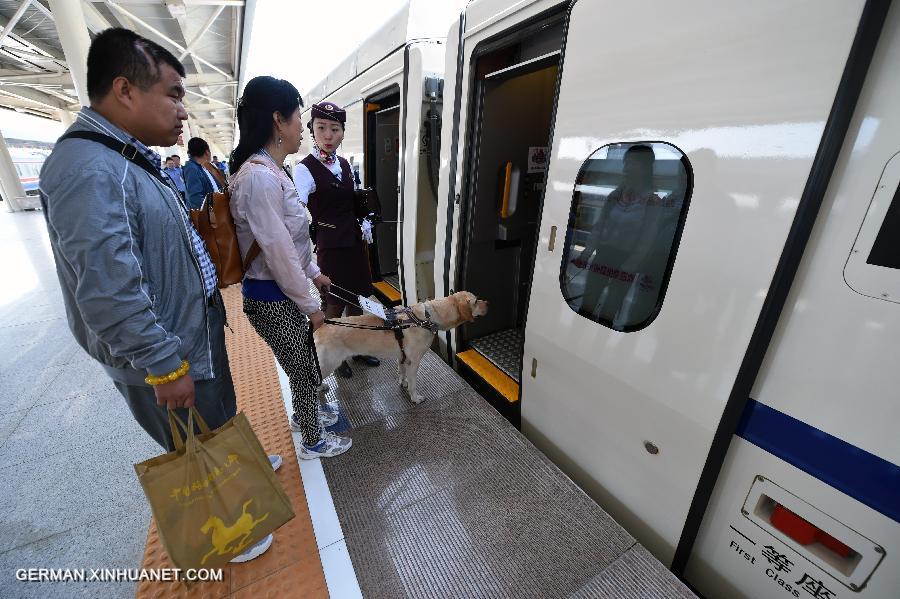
point(344, 371)
point(369, 360)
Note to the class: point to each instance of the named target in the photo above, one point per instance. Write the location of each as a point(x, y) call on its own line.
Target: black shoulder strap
point(127, 151)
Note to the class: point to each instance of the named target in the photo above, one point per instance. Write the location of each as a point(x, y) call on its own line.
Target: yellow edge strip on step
point(493, 376)
point(388, 291)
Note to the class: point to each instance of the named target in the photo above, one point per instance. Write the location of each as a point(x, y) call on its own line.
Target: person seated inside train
point(325, 183)
point(623, 264)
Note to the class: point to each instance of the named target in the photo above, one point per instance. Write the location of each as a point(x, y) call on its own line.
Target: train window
point(886, 251)
point(628, 209)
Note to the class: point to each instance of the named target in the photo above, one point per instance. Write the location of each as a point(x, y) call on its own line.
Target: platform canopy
point(43, 53)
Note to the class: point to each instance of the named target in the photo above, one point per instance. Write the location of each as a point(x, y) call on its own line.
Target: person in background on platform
point(201, 178)
point(179, 182)
point(278, 300)
point(220, 164)
point(174, 174)
point(325, 183)
point(139, 287)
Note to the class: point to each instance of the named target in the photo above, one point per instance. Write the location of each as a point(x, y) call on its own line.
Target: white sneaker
point(255, 551)
point(325, 419)
point(276, 461)
point(328, 446)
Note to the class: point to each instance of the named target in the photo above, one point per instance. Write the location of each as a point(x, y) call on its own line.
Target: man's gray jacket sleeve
point(99, 237)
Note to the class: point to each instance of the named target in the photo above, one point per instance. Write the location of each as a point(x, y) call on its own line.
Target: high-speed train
point(686, 218)
point(28, 164)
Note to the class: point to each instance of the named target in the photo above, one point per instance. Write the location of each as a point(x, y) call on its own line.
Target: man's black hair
point(197, 147)
point(168, 158)
point(119, 52)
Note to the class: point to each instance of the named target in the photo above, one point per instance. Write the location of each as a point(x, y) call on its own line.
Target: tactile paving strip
point(291, 567)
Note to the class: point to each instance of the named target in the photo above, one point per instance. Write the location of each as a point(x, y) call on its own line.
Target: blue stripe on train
point(860, 474)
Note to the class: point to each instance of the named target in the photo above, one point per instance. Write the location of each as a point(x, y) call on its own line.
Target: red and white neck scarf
point(323, 156)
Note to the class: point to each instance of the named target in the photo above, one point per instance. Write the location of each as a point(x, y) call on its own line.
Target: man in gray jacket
point(138, 284)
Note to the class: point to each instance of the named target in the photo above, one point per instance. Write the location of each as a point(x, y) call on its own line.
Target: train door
point(676, 166)
point(420, 133)
point(513, 91)
point(383, 174)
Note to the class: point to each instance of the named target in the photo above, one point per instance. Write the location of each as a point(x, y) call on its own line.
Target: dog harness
point(397, 325)
point(393, 322)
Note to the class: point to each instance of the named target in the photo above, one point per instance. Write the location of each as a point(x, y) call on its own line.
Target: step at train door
point(678, 157)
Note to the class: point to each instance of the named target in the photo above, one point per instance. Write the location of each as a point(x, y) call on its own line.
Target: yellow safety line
point(493, 376)
point(388, 291)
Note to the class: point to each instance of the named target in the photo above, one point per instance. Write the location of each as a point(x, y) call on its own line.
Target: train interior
point(382, 174)
point(508, 159)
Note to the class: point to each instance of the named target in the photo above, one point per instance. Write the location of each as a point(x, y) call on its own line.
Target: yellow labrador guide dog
point(336, 343)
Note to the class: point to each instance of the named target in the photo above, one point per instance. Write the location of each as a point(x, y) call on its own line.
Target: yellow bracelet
point(168, 378)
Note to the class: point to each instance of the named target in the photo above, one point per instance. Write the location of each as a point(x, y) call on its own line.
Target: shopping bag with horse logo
point(215, 495)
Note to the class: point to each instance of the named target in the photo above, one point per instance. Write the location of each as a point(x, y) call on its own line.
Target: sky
point(302, 41)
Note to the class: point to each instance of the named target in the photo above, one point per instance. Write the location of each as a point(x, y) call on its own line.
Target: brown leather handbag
point(216, 226)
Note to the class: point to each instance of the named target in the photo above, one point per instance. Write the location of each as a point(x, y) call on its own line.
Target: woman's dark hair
point(262, 96)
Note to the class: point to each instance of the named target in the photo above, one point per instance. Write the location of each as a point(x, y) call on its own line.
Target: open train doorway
point(382, 174)
point(514, 89)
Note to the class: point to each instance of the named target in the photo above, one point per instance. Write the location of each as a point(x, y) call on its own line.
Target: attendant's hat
point(330, 111)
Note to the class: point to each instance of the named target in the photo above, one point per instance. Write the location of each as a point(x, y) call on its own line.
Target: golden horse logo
point(231, 539)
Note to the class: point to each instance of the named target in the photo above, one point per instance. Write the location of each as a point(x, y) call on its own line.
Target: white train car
point(391, 88)
point(686, 219)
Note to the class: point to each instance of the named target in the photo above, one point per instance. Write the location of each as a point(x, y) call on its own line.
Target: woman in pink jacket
point(277, 296)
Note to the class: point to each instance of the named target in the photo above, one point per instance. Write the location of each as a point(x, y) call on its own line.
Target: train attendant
point(268, 215)
point(325, 183)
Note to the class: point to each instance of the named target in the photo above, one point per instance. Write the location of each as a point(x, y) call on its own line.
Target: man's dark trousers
point(213, 398)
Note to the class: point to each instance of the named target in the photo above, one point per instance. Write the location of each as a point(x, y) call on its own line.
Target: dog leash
point(315, 352)
point(403, 310)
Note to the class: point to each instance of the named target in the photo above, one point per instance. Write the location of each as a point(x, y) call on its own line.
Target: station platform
point(440, 499)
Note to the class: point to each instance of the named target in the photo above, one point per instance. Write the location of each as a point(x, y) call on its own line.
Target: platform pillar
point(13, 192)
point(73, 35)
